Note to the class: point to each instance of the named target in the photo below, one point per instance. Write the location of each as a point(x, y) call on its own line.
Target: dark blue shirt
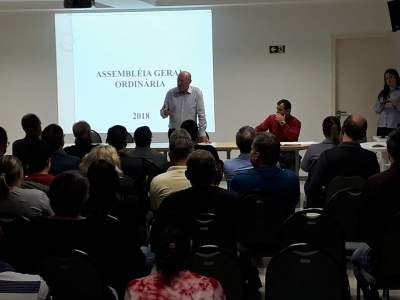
point(272, 180)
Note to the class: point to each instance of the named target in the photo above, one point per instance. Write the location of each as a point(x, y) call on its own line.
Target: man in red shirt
point(286, 128)
point(282, 124)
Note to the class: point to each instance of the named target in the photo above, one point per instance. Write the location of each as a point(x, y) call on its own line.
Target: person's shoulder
point(204, 283)
point(142, 284)
point(160, 177)
point(289, 175)
point(222, 192)
point(195, 89)
point(19, 142)
point(30, 192)
point(172, 91)
point(295, 119)
point(368, 154)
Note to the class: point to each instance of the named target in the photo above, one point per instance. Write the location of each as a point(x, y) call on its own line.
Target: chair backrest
point(71, 275)
point(314, 227)
point(209, 228)
point(212, 261)
point(261, 216)
point(204, 229)
point(345, 198)
point(129, 138)
point(302, 271)
point(95, 137)
point(389, 260)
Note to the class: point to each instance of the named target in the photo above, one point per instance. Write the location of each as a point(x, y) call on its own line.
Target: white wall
point(248, 82)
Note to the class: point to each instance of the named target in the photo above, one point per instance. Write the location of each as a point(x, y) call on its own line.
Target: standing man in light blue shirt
point(244, 139)
point(185, 102)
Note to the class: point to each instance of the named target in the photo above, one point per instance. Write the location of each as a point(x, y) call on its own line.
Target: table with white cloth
point(379, 147)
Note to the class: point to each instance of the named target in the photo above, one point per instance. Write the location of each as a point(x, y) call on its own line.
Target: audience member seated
point(40, 168)
point(381, 204)
point(265, 176)
point(26, 149)
point(131, 166)
point(191, 127)
point(83, 141)
point(172, 281)
point(53, 136)
point(331, 129)
point(3, 141)
point(142, 137)
point(109, 154)
point(67, 229)
point(347, 159)
point(184, 207)
point(103, 195)
point(19, 286)
point(17, 202)
point(244, 139)
point(180, 146)
point(104, 240)
point(286, 128)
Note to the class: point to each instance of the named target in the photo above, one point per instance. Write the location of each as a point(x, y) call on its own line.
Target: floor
point(262, 264)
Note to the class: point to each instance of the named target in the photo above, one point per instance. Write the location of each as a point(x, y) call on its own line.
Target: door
point(360, 64)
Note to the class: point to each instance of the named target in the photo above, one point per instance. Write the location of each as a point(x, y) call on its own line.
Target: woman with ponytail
point(172, 281)
point(15, 201)
point(331, 129)
point(388, 104)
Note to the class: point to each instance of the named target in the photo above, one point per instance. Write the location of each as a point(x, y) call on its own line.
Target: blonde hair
point(11, 172)
point(105, 152)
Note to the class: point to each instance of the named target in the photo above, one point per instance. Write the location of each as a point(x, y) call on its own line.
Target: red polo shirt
point(288, 132)
point(44, 179)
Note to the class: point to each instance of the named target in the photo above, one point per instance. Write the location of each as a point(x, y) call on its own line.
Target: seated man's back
point(348, 159)
point(267, 179)
point(266, 176)
point(381, 203)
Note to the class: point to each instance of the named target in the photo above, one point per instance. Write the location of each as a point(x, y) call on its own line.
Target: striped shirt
point(17, 286)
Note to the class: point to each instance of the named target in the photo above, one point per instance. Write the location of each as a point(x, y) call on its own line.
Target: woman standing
point(388, 104)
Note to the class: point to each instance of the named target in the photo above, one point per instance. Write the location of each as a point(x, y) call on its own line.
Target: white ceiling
point(124, 4)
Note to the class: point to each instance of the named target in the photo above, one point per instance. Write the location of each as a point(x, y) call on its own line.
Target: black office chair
point(72, 275)
point(212, 261)
point(302, 271)
point(314, 227)
point(387, 276)
point(344, 199)
point(95, 137)
point(208, 229)
point(260, 218)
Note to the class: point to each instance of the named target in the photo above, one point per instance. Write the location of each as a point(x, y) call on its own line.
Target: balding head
point(355, 128)
point(184, 81)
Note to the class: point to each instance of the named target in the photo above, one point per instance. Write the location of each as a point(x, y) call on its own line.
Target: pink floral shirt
point(185, 286)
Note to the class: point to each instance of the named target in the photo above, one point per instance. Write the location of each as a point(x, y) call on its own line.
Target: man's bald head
point(355, 127)
point(184, 81)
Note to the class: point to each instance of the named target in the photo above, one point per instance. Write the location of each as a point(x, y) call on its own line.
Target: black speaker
point(394, 10)
point(77, 3)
